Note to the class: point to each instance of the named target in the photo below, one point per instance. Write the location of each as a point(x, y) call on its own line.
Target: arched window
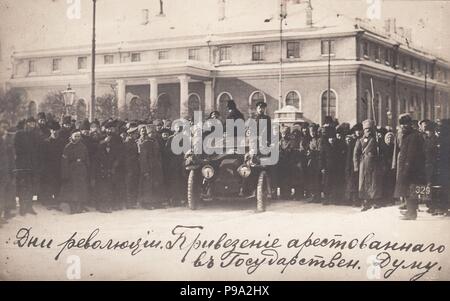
point(81, 110)
point(222, 100)
point(255, 97)
point(193, 104)
point(32, 109)
point(139, 108)
point(328, 105)
point(293, 99)
point(163, 106)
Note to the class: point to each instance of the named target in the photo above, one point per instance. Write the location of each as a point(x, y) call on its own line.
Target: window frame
point(108, 56)
point(135, 55)
point(54, 60)
point(80, 63)
point(299, 96)
point(225, 54)
point(163, 55)
point(31, 66)
point(333, 47)
point(296, 49)
point(258, 52)
point(196, 55)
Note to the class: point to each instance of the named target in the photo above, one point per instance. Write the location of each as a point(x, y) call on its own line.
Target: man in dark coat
point(66, 129)
point(132, 166)
point(173, 170)
point(285, 163)
point(151, 174)
point(351, 176)
point(51, 167)
point(74, 169)
point(367, 162)
point(313, 174)
point(409, 161)
point(26, 144)
point(329, 165)
point(233, 114)
point(7, 167)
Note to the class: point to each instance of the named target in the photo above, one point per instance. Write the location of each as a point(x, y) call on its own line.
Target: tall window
point(328, 105)
point(135, 57)
point(163, 106)
point(163, 55)
point(258, 52)
point(193, 54)
point(108, 59)
point(193, 104)
point(366, 49)
point(325, 46)
point(82, 62)
point(411, 65)
point(31, 66)
point(376, 53)
point(225, 53)
point(56, 65)
point(387, 57)
point(293, 50)
point(292, 99)
point(222, 104)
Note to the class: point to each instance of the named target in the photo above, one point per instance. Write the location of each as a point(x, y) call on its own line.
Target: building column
point(184, 95)
point(153, 92)
point(209, 101)
point(121, 97)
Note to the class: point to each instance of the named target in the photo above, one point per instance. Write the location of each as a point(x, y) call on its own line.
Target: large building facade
point(329, 68)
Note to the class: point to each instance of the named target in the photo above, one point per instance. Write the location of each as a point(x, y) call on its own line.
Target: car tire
point(262, 192)
point(193, 195)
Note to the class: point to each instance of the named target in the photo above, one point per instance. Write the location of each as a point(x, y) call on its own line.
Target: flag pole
point(373, 103)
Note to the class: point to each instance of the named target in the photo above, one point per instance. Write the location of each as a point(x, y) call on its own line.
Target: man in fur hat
point(367, 162)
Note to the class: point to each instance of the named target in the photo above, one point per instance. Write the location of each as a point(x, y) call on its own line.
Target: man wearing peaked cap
point(367, 163)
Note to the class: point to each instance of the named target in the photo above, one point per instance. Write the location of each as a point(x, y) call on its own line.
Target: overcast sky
point(40, 24)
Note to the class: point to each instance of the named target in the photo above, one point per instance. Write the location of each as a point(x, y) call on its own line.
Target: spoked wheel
point(262, 192)
point(193, 193)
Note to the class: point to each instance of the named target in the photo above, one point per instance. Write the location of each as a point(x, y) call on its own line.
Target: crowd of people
point(118, 164)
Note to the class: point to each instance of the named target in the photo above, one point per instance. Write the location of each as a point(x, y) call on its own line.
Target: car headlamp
point(208, 171)
point(244, 171)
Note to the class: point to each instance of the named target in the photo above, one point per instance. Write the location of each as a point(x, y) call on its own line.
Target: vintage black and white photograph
point(224, 140)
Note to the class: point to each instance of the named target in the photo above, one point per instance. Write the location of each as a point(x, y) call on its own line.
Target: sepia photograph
point(224, 140)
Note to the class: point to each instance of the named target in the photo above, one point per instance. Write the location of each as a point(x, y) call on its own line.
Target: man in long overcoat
point(409, 160)
point(74, 169)
point(151, 174)
point(27, 165)
point(131, 166)
point(367, 163)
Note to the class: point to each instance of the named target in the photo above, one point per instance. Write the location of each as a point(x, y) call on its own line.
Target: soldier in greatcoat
point(367, 163)
point(74, 169)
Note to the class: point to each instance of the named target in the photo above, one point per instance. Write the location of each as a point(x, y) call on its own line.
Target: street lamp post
point(69, 98)
point(92, 105)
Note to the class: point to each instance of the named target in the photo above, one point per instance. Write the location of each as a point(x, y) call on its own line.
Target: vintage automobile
point(227, 176)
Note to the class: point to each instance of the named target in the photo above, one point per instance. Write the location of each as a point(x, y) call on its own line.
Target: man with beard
point(27, 165)
point(51, 163)
point(131, 166)
point(74, 169)
point(409, 158)
point(367, 162)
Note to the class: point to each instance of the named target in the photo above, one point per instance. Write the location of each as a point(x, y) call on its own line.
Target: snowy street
point(227, 241)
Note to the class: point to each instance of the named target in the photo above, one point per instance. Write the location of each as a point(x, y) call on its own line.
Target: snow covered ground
point(283, 231)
